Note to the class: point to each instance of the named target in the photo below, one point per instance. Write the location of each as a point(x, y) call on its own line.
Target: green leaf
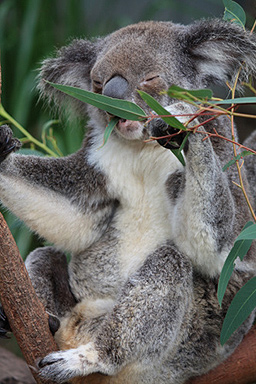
point(121, 108)
point(239, 249)
point(238, 157)
point(238, 100)
point(248, 233)
point(240, 308)
point(28, 151)
point(109, 128)
point(155, 106)
point(170, 120)
point(234, 13)
point(179, 156)
point(188, 94)
point(178, 152)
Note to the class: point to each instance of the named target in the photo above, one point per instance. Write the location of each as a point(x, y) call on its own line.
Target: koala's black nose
point(116, 87)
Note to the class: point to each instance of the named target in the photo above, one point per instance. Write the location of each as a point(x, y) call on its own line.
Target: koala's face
point(135, 58)
point(150, 56)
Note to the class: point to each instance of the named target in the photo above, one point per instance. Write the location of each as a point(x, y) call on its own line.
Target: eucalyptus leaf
point(238, 100)
point(248, 233)
point(179, 156)
point(240, 308)
point(239, 249)
point(28, 151)
point(116, 107)
point(189, 94)
point(161, 111)
point(234, 13)
point(178, 152)
point(111, 125)
point(238, 157)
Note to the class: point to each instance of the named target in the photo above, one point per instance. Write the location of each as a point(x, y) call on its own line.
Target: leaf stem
point(6, 116)
point(235, 151)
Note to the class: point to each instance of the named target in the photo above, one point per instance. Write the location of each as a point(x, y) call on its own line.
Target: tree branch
point(26, 314)
point(239, 368)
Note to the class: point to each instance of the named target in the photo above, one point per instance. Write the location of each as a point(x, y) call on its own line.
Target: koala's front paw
point(4, 324)
point(159, 128)
point(8, 143)
point(65, 365)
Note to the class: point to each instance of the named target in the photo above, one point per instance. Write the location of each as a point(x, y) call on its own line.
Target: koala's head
point(149, 56)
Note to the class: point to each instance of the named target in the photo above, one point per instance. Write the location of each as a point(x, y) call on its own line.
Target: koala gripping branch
point(25, 313)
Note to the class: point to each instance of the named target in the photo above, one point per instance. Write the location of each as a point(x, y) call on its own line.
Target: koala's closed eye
point(153, 83)
point(97, 86)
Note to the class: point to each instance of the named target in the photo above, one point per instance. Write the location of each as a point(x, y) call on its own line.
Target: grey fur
point(148, 237)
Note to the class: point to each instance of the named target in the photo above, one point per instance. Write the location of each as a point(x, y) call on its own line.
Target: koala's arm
point(64, 200)
point(207, 203)
point(152, 305)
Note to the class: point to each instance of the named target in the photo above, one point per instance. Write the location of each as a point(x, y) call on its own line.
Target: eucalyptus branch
point(216, 134)
point(235, 152)
point(249, 85)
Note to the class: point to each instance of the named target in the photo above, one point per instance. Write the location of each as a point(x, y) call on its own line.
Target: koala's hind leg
point(147, 319)
point(48, 271)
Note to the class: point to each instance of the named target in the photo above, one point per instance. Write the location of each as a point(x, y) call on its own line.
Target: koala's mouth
point(131, 130)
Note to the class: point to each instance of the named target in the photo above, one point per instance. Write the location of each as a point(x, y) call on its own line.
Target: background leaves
point(240, 248)
point(239, 310)
point(234, 13)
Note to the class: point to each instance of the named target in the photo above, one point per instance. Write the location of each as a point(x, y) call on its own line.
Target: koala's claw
point(54, 367)
point(4, 325)
point(54, 323)
point(62, 366)
point(160, 128)
point(8, 144)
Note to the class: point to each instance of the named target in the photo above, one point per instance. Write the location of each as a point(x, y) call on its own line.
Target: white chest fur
point(137, 173)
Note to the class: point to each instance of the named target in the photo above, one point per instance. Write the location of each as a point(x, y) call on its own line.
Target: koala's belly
point(142, 230)
point(103, 268)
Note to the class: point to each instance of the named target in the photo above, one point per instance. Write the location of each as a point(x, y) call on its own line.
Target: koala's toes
point(8, 143)
point(4, 324)
point(167, 136)
point(157, 127)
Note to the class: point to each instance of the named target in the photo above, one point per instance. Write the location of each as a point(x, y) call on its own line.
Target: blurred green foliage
point(31, 30)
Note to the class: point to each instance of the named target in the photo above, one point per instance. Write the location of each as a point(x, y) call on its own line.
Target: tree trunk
point(26, 314)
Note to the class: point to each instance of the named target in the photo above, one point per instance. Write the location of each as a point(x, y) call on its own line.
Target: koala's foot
point(8, 143)
point(159, 128)
point(4, 324)
point(64, 365)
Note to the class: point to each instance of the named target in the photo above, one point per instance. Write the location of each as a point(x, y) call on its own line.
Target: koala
point(148, 236)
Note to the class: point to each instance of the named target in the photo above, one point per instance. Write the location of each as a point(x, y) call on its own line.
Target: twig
point(216, 134)
point(235, 152)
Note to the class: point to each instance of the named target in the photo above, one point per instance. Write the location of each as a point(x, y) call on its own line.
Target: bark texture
point(26, 314)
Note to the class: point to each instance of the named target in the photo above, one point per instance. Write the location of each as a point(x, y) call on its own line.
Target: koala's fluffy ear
point(217, 49)
point(71, 66)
